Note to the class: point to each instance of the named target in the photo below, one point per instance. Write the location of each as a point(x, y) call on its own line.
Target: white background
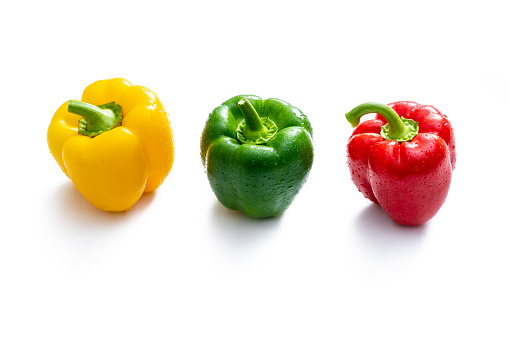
point(179, 265)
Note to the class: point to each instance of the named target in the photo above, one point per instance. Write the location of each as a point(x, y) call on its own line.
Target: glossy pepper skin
point(253, 168)
point(112, 163)
point(409, 176)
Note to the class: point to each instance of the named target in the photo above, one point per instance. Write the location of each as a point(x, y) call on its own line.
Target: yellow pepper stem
point(96, 119)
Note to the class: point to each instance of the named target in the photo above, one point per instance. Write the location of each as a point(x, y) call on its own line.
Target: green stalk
point(397, 128)
point(253, 129)
point(96, 119)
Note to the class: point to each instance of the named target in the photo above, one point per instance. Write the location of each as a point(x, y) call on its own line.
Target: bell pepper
point(257, 154)
point(402, 159)
point(114, 144)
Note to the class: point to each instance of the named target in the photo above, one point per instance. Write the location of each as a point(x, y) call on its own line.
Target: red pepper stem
point(397, 128)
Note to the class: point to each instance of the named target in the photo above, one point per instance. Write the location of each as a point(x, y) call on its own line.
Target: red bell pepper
point(402, 159)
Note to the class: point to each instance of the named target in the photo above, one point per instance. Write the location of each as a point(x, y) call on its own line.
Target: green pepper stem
point(254, 127)
point(96, 119)
point(397, 128)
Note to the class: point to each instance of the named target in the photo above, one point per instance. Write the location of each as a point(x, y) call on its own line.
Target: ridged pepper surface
point(257, 154)
point(403, 159)
point(114, 144)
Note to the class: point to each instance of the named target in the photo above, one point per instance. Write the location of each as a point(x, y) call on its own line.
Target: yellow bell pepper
point(114, 145)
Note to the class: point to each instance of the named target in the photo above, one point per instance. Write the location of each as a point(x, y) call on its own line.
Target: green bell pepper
point(257, 154)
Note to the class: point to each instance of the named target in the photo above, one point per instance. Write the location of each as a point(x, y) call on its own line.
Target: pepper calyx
point(96, 119)
point(412, 130)
point(253, 129)
point(397, 128)
point(260, 139)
